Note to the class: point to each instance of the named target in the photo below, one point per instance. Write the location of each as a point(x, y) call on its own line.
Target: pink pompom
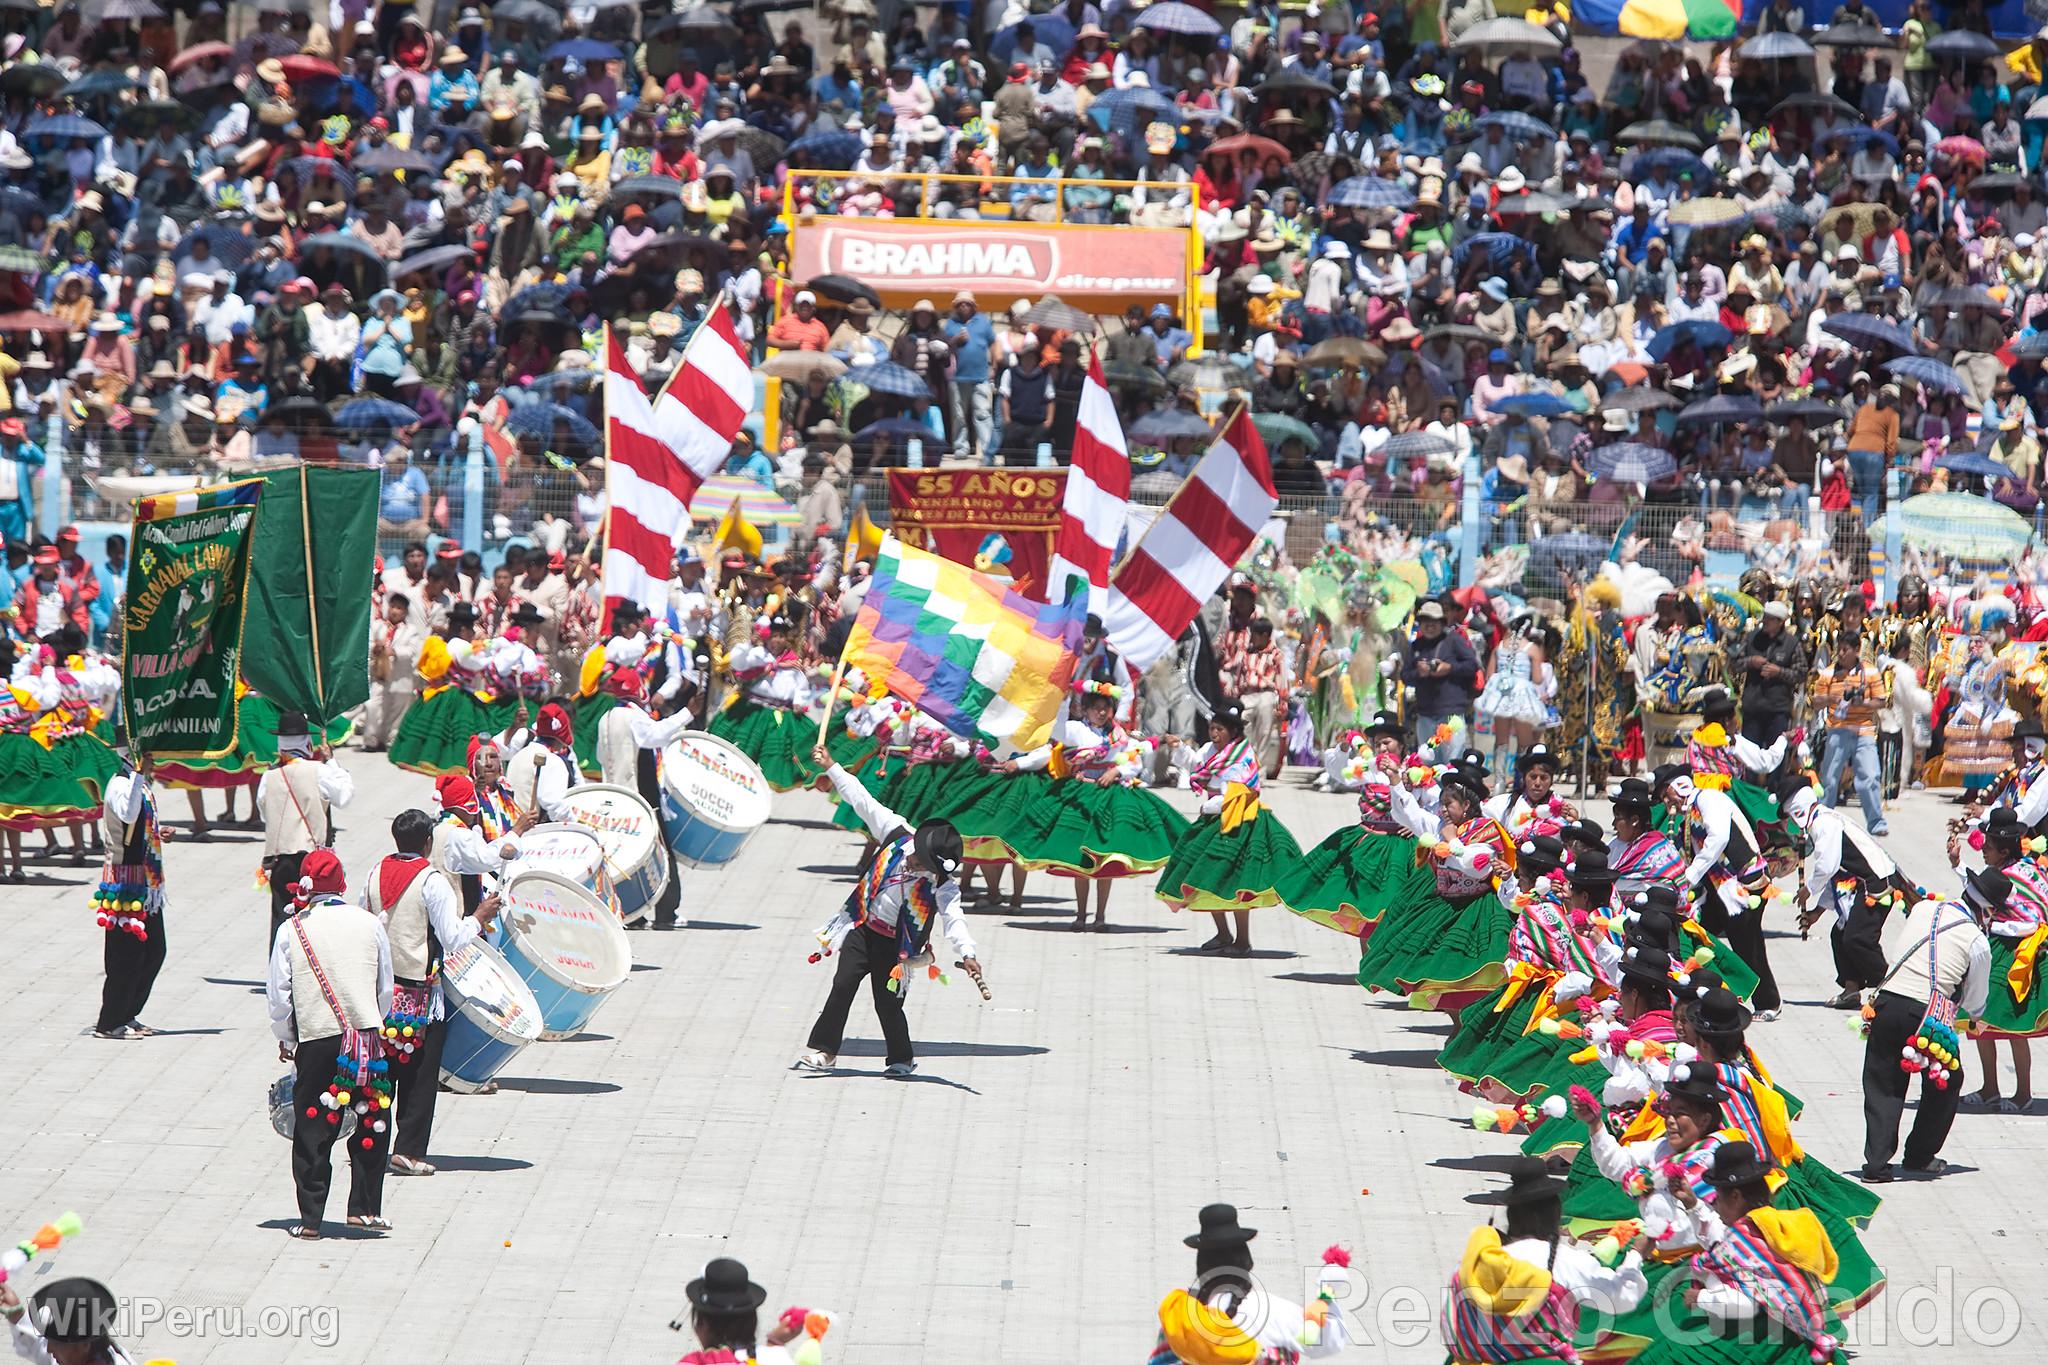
point(1336, 1255)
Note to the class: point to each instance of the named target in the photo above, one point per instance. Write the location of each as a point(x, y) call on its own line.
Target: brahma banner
point(999, 522)
point(1110, 267)
point(182, 628)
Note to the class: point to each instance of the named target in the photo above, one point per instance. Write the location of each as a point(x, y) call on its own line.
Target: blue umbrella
point(1703, 332)
point(307, 169)
point(1775, 47)
point(230, 245)
point(1724, 407)
point(545, 297)
point(98, 84)
point(1371, 192)
point(65, 126)
point(1534, 405)
point(1518, 127)
point(433, 258)
point(1415, 445)
point(539, 420)
point(581, 50)
point(826, 149)
point(1047, 30)
point(1863, 137)
point(1973, 462)
point(2033, 345)
point(662, 186)
point(1500, 248)
point(1172, 16)
point(1631, 462)
point(1130, 109)
point(1168, 424)
point(896, 428)
point(1929, 374)
point(887, 377)
point(1867, 332)
point(1676, 160)
point(362, 414)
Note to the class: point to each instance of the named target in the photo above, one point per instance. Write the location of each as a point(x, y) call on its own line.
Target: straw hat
point(106, 324)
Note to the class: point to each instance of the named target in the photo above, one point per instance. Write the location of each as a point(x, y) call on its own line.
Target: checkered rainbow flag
point(974, 656)
point(156, 506)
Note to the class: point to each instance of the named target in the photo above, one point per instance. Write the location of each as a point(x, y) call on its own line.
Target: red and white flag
point(1098, 490)
point(1190, 550)
point(659, 452)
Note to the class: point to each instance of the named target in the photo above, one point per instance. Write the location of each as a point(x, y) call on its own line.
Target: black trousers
point(132, 964)
point(1745, 934)
point(1764, 727)
point(283, 871)
point(668, 905)
point(414, 1085)
point(1884, 1089)
point(313, 1141)
point(1858, 944)
point(868, 956)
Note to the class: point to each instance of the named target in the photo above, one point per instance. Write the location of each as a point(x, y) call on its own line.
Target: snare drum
point(568, 850)
point(492, 1016)
point(566, 944)
point(636, 864)
point(713, 798)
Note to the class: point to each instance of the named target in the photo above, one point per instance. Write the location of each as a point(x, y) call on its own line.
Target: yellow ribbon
point(1520, 976)
point(1060, 769)
point(2020, 976)
point(1718, 782)
point(432, 692)
point(1240, 806)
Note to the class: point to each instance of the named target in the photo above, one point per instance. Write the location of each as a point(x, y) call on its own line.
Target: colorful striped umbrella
point(1671, 20)
point(761, 506)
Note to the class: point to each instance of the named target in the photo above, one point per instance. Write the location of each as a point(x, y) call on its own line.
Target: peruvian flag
point(1189, 551)
point(659, 452)
point(1098, 488)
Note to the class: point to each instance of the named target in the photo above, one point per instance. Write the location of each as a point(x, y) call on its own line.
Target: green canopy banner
point(313, 569)
point(188, 582)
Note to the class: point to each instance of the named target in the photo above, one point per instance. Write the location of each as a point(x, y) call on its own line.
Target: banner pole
point(831, 695)
point(312, 604)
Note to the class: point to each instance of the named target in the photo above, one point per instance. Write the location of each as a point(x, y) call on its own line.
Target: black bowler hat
point(527, 614)
point(1694, 1081)
point(1635, 793)
point(1540, 853)
point(1386, 723)
point(1720, 1014)
point(292, 725)
point(1219, 1229)
point(1656, 898)
point(74, 1310)
point(1530, 1182)
point(1654, 929)
point(1737, 1164)
point(1647, 966)
point(725, 1288)
point(1539, 756)
point(1989, 888)
point(1468, 780)
point(1665, 773)
point(462, 614)
point(1587, 832)
point(1717, 705)
point(1590, 869)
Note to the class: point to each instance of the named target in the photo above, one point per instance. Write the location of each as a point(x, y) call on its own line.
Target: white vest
point(522, 773)
point(345, 940)
point(294, 811)
point(618, 752)
point(405, 923)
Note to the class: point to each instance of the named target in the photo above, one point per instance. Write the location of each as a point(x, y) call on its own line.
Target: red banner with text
point(1000, 522)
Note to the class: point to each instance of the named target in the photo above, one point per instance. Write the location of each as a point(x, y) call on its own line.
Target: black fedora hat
point(1988, 888)
point(1219, 1229)
point(1665, 773)
point(1530, 1182)
point(1793, 784)
point(292, 725)
point(1539, 756)
point(725, 1288)
point(1635, 793)
point(1718, 1013)
point(1590, 869)
point(2029, 729)
point(1694, 1081)
point(1737, 1164)
point(1387, 723)
point(1717, 705)
point(462, 614)
point(526, 614)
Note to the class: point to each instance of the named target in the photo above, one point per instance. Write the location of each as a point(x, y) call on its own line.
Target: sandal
point(2006, 1106)
point(306, 1234)
point(370, 1221)
point(1977, 1099)
point(405, 1165)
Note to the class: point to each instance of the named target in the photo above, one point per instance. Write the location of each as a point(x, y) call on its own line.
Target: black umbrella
point(1997, 182)
point(141, 117)
point(348, 255)
point(433, 258)
point(1816, 99)
point(843, 289)
point(1853, 35)
point(526, 12)
point(301, 412)
point(1638, 398)
point(1293, 81)
point(1963, 45)
point(887, 377)
point(1724, 407)
point(1816, 412)
point(660, 186)
point(1140, 377)
point(1052, 311)
point(31, 78)
point(98, 85)
point(389, 159)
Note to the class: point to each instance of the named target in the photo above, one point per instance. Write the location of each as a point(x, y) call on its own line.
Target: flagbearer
point(130, 900)
point(297, 798)
point(883, 932)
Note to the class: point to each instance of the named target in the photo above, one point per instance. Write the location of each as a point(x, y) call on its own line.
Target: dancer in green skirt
point(458, 702)
point(1444, 941)
point(1229, 860)
point(767, 718)
point(1095, 823)
point(1348, 880)
point(2016, 1006)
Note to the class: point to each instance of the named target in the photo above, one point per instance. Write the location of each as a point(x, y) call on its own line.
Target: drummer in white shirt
point(461, 853)
point(539, 763)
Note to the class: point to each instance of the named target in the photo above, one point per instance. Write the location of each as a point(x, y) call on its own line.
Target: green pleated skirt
point(1662, 1330)
point(2005, 1014)
point(943, 790)
point(1214, 870)
point(1495, 1049)
point(1350, 880)
point(434, 736)
point(1078, 829)
point(41, 788)
point(987, 821)
point(585, 714)
point(1427, 947)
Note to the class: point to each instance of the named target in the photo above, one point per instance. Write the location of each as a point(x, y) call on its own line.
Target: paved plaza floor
point(1023, 1199)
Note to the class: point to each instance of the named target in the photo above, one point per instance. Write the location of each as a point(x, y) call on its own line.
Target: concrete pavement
point(1022, 1199)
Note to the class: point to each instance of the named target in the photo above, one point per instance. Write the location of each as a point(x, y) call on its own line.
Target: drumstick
point(975, 972)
